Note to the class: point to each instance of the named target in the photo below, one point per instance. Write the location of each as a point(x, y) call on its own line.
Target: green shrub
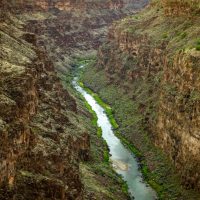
point(195, 95)
point(183, 35)
point(99, 132)
point(198, 41)
point(106, 156)
point(198, 47)
point(165, 35)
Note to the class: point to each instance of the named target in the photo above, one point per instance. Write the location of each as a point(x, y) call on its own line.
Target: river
point(123, 161)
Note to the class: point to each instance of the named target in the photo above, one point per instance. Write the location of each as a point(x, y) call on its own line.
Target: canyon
point(145, 65)
point(49, 149)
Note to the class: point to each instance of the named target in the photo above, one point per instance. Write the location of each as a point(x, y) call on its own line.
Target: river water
point(124, 162)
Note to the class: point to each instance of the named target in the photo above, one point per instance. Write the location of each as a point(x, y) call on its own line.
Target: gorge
point(141, 58)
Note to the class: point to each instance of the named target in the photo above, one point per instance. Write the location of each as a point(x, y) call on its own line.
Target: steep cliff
point(148, 70)
point(37, 116)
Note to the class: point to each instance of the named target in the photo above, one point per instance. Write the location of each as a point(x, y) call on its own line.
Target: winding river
point(123, 161)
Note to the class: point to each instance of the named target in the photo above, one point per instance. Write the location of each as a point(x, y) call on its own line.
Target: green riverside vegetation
point(144, 169)
point(99, 164)
point(99, 130)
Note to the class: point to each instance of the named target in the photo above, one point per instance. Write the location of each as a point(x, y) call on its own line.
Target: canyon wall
point(67, 29)
point(39, 155)
point(69, 5)
point(154, 58)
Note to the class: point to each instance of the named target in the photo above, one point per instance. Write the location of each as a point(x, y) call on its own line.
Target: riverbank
point(143, 166)
point(156, 169)
point(99, 178)
point(123, 161)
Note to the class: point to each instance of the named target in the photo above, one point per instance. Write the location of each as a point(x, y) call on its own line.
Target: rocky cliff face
point(67, 29)
point(39, 155)
point(154, 57)
point(178, 116)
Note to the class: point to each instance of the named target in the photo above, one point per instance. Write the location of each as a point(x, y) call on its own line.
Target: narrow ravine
point(124, 162)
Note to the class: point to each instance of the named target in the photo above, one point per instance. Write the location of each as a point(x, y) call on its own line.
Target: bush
point(183, 35)
point(165, 35)
point(198, 41)
point(198, 47)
